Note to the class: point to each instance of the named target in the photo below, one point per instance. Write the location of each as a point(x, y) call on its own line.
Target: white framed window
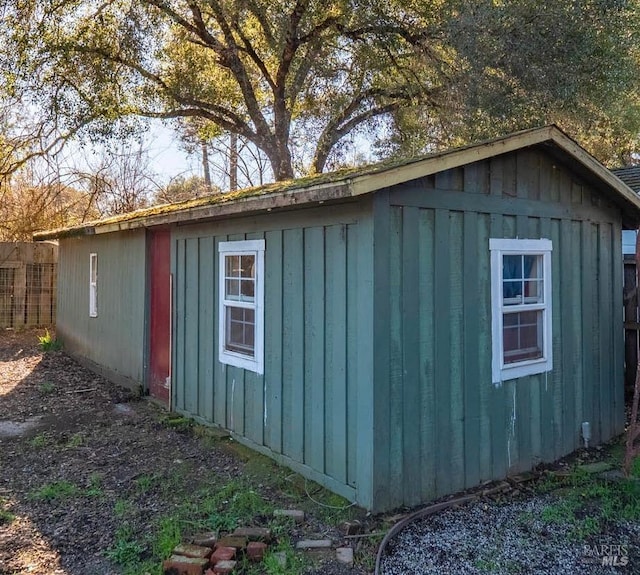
point(93, 285)
point(241, 301)
point(520, 308)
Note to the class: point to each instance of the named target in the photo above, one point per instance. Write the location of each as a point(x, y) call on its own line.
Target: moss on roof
point(298, 184)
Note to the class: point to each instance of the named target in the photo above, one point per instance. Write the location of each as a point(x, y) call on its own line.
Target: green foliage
point(94, 489)
point(39, 441)
point(58, 490)
point(125, 551)
point(46, 387)
point(76, 440)
point(588, 503)
point(48, 343)
point(6, 516)
point(122, 508)
point(167, 536)
point(145, 483)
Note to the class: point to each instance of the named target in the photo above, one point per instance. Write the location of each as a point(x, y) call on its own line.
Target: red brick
point(197, 551)
point(223, 567)
point(223, 554)
point(232, 541)
point(206, 539)
point(253, 533)
point(256, 550)
point(179, 565)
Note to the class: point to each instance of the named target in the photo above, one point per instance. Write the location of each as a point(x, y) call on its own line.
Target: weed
point(48, 343)
point(6, 516)
point(178, 422)
point(95, 486)
point(144, 483)
point(122, 508)
point(125, 550)
point(46, 387)
point(635, 467)
point(168, 535)
point(55, 490)
point(39, 441)
point(283, 560)
point(76, 440)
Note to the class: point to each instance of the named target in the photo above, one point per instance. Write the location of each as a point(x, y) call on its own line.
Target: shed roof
point(630, 176)
point(354, 182)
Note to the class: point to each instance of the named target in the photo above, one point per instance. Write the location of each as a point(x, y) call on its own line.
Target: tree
point(524, 63)
point(270, 71)
point(295, 77)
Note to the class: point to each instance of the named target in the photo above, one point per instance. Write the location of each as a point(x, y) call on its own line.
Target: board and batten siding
point(112, 343)
point(311, 409)
point(440, 423)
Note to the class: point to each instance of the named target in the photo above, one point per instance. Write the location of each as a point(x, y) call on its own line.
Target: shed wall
point(112, 342)
point(440, 423)
point(312, 407)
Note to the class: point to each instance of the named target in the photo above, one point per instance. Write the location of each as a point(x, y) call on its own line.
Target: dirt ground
point(60, 424)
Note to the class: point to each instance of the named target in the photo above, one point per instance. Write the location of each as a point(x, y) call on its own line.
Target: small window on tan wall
point(93, 285)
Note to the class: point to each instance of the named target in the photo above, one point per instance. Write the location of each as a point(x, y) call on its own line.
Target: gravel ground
point(510, 538)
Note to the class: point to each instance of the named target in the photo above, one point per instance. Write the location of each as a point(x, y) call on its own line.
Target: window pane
point(522, 336)
point(522, 281)
point(248, 266)
point(232, 266)
point(233, 289)
point(240, 336)
point(247, 288)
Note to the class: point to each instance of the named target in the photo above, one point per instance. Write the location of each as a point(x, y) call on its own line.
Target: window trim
point(242, 248)
point(498, 248)
point(93, 284)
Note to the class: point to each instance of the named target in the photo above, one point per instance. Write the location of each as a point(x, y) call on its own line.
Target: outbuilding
point(395, 333)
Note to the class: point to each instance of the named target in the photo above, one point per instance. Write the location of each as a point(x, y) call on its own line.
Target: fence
point(28, 276)
point(631, 322)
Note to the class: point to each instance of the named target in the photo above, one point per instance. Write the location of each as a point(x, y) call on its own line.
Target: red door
point(160, 315)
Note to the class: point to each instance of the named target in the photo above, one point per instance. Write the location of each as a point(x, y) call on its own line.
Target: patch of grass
point(76, 440)
point(635, 467)
point(39, 441)
point(46, 388)
point(167, 536)
point(178, 422)
point(126, 550)
point(282, 560)
point(122, 508)
point(145, 483)
point(94, 488)
point(55, 491)
point(589, 503)
point(6, 516)
point(48, 343)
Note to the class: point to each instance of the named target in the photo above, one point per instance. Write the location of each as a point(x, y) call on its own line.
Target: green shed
point(395, 333)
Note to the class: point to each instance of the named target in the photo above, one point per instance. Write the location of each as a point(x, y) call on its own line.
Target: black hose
point(417, 515)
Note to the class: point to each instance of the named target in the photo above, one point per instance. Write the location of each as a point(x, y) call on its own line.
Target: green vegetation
point(46, 388)
point(588, 502)
point(6, 516)
point(48, 343)
point(55, 491)
point(76, 440)
point(39, 441)
point(125, 551)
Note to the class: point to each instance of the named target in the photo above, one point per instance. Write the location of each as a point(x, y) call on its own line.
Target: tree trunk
point(205, 165)
point(233, 162)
